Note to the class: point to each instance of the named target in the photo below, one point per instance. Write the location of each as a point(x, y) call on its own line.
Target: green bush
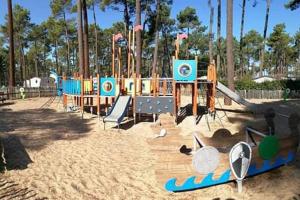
point(248, 84)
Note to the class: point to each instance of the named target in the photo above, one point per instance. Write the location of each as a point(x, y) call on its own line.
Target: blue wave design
point(268, 166)
point(190, 184)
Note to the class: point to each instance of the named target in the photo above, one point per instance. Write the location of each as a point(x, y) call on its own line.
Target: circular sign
point(107, 86)
point(22, 90)
point(185, 70)
point(206, 160)
point(268, 147)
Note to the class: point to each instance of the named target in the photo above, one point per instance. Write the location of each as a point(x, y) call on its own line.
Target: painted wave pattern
point(190, 184)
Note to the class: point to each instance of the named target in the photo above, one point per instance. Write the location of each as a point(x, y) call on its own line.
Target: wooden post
point(177, 46)
point(139, 85)
point(178, 95)
point(82, 93)
point(106, 105)
point(175, 100)
point(134, 98)
point(157, 84)
point(98, 95)
point(119, 62)
point(133, 52)
point(165, 87)
point(129, 54)
point(195, 95)
point(154, 84)
point(214, 83)
point(113, 55)
point(91, 91)
point(65, 97)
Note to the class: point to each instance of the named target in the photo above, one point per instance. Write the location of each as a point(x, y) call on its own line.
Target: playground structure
point(114, 97)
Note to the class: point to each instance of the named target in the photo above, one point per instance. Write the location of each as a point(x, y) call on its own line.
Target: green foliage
point(188, 19)
point(248, 84)
point(292, 4)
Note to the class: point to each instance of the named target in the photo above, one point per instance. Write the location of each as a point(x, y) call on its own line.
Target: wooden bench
point(2, 97)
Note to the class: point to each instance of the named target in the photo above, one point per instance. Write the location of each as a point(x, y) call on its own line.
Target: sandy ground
point(55, 155)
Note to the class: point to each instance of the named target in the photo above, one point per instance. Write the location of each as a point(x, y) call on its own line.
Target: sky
point(254, 17)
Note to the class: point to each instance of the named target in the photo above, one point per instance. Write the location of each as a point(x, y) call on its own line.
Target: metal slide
point(118, 110)
point(234, 96)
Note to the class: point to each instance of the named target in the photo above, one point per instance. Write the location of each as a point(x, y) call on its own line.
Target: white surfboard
point(240, 158)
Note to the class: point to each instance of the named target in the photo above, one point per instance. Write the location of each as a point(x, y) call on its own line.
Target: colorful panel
point(185, 70)
point(129, 85)
point(87, 86)
point(107, 86)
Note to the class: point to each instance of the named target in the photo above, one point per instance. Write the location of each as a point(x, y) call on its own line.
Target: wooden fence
point(247, 94)
point(250, 94)
point(29, 92)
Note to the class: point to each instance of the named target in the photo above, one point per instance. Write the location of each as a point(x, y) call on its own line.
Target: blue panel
point(107, 86)
point(185, 70)
point(267, 165)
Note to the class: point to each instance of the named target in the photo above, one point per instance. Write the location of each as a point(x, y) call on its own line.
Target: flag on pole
point(118, 36)
point(138, 28)
point(182, 36)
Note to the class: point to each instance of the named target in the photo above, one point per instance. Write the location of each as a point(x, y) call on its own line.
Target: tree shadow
point(12, 190)
point(6, 104)
point(16, 156)
point(36, 128)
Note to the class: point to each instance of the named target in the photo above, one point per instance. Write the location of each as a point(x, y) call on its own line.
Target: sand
point(56, 155)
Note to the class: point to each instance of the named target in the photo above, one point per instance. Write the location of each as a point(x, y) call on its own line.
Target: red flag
point(138, 27)
point(182, 36)
point(118, 36)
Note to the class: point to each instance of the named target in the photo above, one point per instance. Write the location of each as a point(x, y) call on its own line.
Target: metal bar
point(256, 132)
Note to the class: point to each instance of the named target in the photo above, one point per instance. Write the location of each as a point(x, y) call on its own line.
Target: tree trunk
point(155, 53)
point(21, 64)
point(96, 40)
point(36, 60)
point(229, 50)
point(58, 69)
point(138, 38)
point(241, 38)
point(126, 16)
point(187, 44)
point(219, 38)
point(11, 71)
point(86, 40)
point(44, 54)
point(24, 64)
point(211, 21)
point(265, 37)
point(68, 44)
point(80, 38)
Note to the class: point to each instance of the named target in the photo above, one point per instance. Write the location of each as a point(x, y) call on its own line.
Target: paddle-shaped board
point(240, 159)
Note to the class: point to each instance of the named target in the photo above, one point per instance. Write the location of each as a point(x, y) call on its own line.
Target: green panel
point(268, 148)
